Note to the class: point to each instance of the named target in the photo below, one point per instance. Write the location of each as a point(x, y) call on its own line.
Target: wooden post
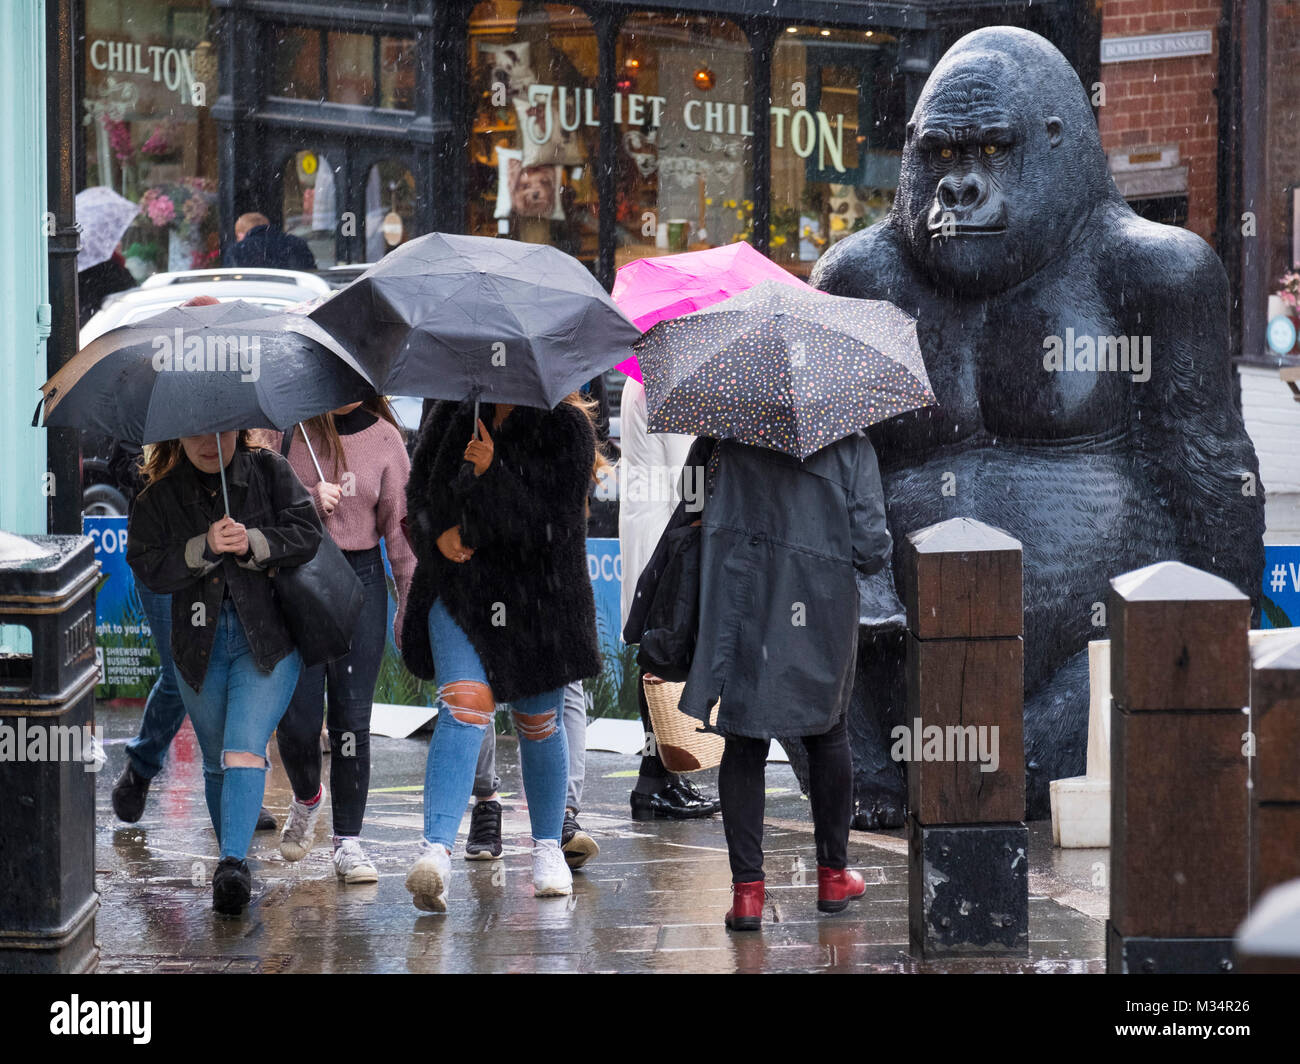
point(1180, 679)
point(1275, 768)
point(968, 875)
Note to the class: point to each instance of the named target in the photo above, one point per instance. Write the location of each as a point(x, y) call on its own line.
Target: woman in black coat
point(780, 542)
point(235, 658)
point(500, 609)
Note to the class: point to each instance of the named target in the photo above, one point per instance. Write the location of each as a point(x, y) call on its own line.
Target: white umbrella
point(104, 216)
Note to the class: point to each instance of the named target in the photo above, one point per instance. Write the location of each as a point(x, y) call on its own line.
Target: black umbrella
point(195, 370)
point(447, 316)
point(785, 368)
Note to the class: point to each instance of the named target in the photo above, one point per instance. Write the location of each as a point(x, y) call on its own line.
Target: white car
point(273, 289)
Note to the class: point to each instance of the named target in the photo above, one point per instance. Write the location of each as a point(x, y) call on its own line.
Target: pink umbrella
point(652, 290)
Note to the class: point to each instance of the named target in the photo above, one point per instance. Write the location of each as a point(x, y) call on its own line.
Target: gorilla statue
point(1079, 355)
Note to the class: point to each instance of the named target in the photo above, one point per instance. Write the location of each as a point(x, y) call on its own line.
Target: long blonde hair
point(590, 406)
point(325, 434)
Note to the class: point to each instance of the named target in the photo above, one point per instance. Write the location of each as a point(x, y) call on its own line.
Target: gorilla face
point(993, 180)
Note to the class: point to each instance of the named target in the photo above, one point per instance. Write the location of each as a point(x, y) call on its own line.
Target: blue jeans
point(453, 751)
point(486, 780)
point(164, 711)
point(236, 711)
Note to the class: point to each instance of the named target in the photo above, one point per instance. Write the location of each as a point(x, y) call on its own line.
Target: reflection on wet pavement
point(652, 901)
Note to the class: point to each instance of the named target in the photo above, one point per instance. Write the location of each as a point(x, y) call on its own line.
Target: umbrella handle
point(476, 417)
point(221, 466)
point(314, 460)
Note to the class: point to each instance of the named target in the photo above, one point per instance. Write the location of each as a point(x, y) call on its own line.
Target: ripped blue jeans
point(236, 711)
point(465, 711)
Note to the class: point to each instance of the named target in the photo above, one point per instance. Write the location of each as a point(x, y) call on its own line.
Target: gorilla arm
point(1189, 434)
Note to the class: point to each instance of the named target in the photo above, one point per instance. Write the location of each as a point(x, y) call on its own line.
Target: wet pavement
point(651, 901)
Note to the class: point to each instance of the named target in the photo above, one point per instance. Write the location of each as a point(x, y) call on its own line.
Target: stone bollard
point(1275, 768)
point(48, 756)
point(968, 875)
point(1180, 682)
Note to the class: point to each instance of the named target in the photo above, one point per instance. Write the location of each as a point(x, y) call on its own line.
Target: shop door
point(351, 203)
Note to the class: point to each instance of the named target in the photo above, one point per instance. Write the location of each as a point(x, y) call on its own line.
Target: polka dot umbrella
point(783, 368)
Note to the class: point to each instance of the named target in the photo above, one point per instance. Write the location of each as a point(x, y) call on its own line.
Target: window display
point(534, 126)
point(150, 81)
point(837, 135)
point(685, 135)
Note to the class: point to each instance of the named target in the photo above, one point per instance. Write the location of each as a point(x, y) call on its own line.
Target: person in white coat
point(648, 472)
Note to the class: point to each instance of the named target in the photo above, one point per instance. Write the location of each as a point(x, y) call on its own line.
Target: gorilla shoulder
point(869, 264)
point(1163, 266)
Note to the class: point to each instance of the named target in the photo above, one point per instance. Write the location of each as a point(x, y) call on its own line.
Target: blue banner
point(1280, 605)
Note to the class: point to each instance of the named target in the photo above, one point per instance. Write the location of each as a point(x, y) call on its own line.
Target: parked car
point(273, 289)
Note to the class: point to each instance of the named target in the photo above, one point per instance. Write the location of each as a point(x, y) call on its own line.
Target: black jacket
point(780, 543)
point(524, 599)
point(165, 549)
point(268, 245)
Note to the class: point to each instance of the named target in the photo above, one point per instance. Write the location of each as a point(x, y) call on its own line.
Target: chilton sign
point(172, 66)
point(804, 130)
point(1156, 46)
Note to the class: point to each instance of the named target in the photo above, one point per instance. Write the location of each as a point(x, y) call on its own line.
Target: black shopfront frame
point(259, 132)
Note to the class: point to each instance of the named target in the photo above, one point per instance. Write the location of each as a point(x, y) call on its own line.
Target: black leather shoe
point(676, 800)
point(882, 811)
point(265, 821)
point(129, 794)
point(232, 886)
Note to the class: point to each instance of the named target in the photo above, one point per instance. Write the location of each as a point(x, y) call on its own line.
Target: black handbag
point(320, 599)
point(673, 617)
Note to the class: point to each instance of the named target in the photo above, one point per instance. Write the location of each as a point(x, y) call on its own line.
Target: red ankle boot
point(836, 887)
point(746, 912)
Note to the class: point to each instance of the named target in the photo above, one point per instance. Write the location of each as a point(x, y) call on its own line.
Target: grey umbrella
point(448, 316)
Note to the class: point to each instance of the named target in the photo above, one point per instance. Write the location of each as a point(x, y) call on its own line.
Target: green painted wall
point(23, 263)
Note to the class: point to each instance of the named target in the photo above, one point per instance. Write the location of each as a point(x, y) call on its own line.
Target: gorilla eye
point(991, 149)
point(945, 153)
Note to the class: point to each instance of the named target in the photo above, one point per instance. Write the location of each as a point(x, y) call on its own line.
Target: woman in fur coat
point(500, 609)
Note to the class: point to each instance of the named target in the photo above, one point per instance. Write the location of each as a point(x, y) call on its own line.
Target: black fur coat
point(524, 599)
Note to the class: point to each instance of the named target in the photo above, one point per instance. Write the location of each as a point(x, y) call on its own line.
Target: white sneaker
point(551, 875)
point(299, 834)
point(352, 865)
point(428, 878)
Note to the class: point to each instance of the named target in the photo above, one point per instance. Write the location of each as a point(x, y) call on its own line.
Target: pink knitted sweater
point(374, 500)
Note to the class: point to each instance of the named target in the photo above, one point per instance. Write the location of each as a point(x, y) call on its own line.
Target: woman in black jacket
point(232, 649)
point(781, 540)
point(500, 609)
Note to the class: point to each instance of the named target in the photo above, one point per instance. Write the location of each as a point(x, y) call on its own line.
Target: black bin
point(47, 757)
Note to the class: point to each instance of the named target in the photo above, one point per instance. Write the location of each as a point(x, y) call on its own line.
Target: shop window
point(683, 111)
point(390, 208)
point(397, 73)
point(351, 69)
point(150, 80)
point(296, 67)
point(533, 126)
point(310, 194)
point(838, 123)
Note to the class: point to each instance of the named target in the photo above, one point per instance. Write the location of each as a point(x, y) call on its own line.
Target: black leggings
point(741, 780)
point(351, 693)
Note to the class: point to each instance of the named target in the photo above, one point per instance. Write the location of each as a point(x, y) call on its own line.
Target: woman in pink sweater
point(362, 500)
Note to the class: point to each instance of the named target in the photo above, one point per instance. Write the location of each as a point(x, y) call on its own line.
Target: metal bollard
point(48, 756)
point(968, 873)
point(1180, 681)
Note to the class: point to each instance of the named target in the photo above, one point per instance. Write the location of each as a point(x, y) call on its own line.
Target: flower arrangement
point(1290, 290)
point(163, 142)
point(119, 137)
point(184, 206)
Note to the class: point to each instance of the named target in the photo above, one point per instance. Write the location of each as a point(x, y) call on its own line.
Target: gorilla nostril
point(947, 195)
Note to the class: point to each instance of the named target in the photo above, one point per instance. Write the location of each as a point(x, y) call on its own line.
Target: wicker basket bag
point(682, 746)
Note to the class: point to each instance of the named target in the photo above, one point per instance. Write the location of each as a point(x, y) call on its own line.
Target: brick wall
point(1166, 101)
